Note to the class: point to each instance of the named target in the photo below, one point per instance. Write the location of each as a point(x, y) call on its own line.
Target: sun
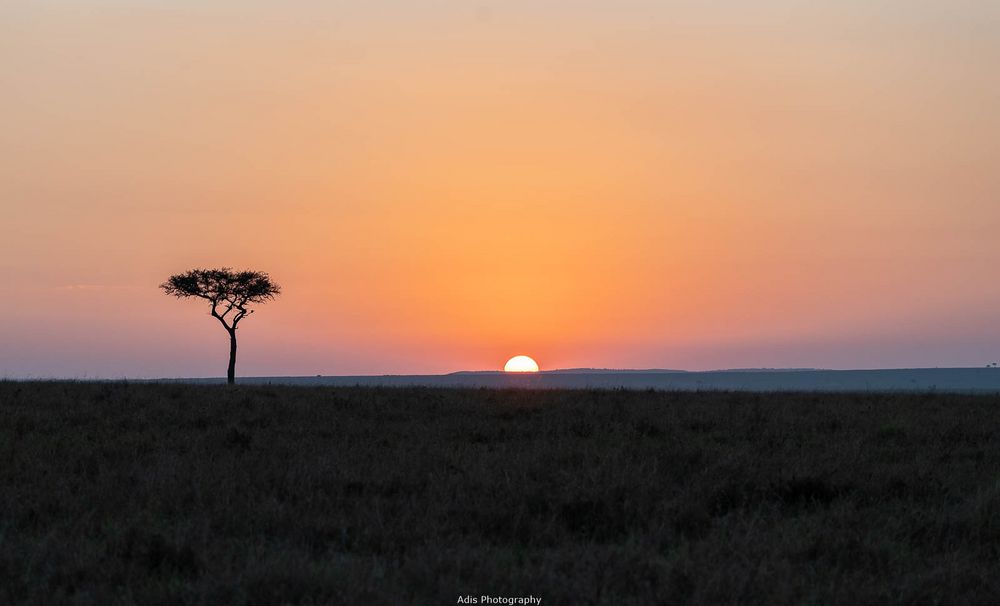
point(520, 364)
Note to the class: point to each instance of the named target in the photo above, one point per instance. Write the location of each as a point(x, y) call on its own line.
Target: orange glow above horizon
point(677, 185)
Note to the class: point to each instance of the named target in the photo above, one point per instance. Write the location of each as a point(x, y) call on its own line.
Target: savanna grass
point(114, 493)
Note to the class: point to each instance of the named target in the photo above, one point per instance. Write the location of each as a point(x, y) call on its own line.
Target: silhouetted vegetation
point(228, 292)
point(168, 493)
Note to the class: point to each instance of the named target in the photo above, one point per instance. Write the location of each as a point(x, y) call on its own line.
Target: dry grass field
point(178, 494)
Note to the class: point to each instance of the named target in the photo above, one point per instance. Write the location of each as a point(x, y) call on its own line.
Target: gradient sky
point(441, 185)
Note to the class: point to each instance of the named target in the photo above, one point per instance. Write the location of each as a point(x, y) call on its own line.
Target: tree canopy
point(228, 291)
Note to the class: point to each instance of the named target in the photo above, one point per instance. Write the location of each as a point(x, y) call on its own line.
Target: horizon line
point(572, 370)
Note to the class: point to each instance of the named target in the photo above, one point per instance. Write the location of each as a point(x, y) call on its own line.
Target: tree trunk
point(231, 374)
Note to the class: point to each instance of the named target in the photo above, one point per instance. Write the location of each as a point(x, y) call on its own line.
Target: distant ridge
point(978, 380)
point(633, 371)
point(768, 369)
point(578, 371)
point(593, 371)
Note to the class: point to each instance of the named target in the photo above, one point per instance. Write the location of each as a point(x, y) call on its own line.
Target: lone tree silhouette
point(229, 292)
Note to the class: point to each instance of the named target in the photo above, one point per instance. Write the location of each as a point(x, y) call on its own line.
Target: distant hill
point(634, 371)
point(761, 380)
point(578, 371)
point(599, 371)
point(768, 370)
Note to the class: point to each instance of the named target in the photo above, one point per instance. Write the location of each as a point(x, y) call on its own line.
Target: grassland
point(179, 494)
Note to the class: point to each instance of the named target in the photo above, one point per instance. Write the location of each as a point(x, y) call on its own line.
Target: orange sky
point(441, 185)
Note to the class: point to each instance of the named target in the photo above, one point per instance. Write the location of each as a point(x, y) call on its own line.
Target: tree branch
point(221, 318)
point(222, 287)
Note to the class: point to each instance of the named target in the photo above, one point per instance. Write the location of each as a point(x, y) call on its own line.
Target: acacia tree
point(229, 292)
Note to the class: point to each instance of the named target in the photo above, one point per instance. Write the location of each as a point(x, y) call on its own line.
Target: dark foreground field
point(174, 494)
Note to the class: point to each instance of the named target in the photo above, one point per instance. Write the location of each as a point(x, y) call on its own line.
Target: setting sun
point(520, 364)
